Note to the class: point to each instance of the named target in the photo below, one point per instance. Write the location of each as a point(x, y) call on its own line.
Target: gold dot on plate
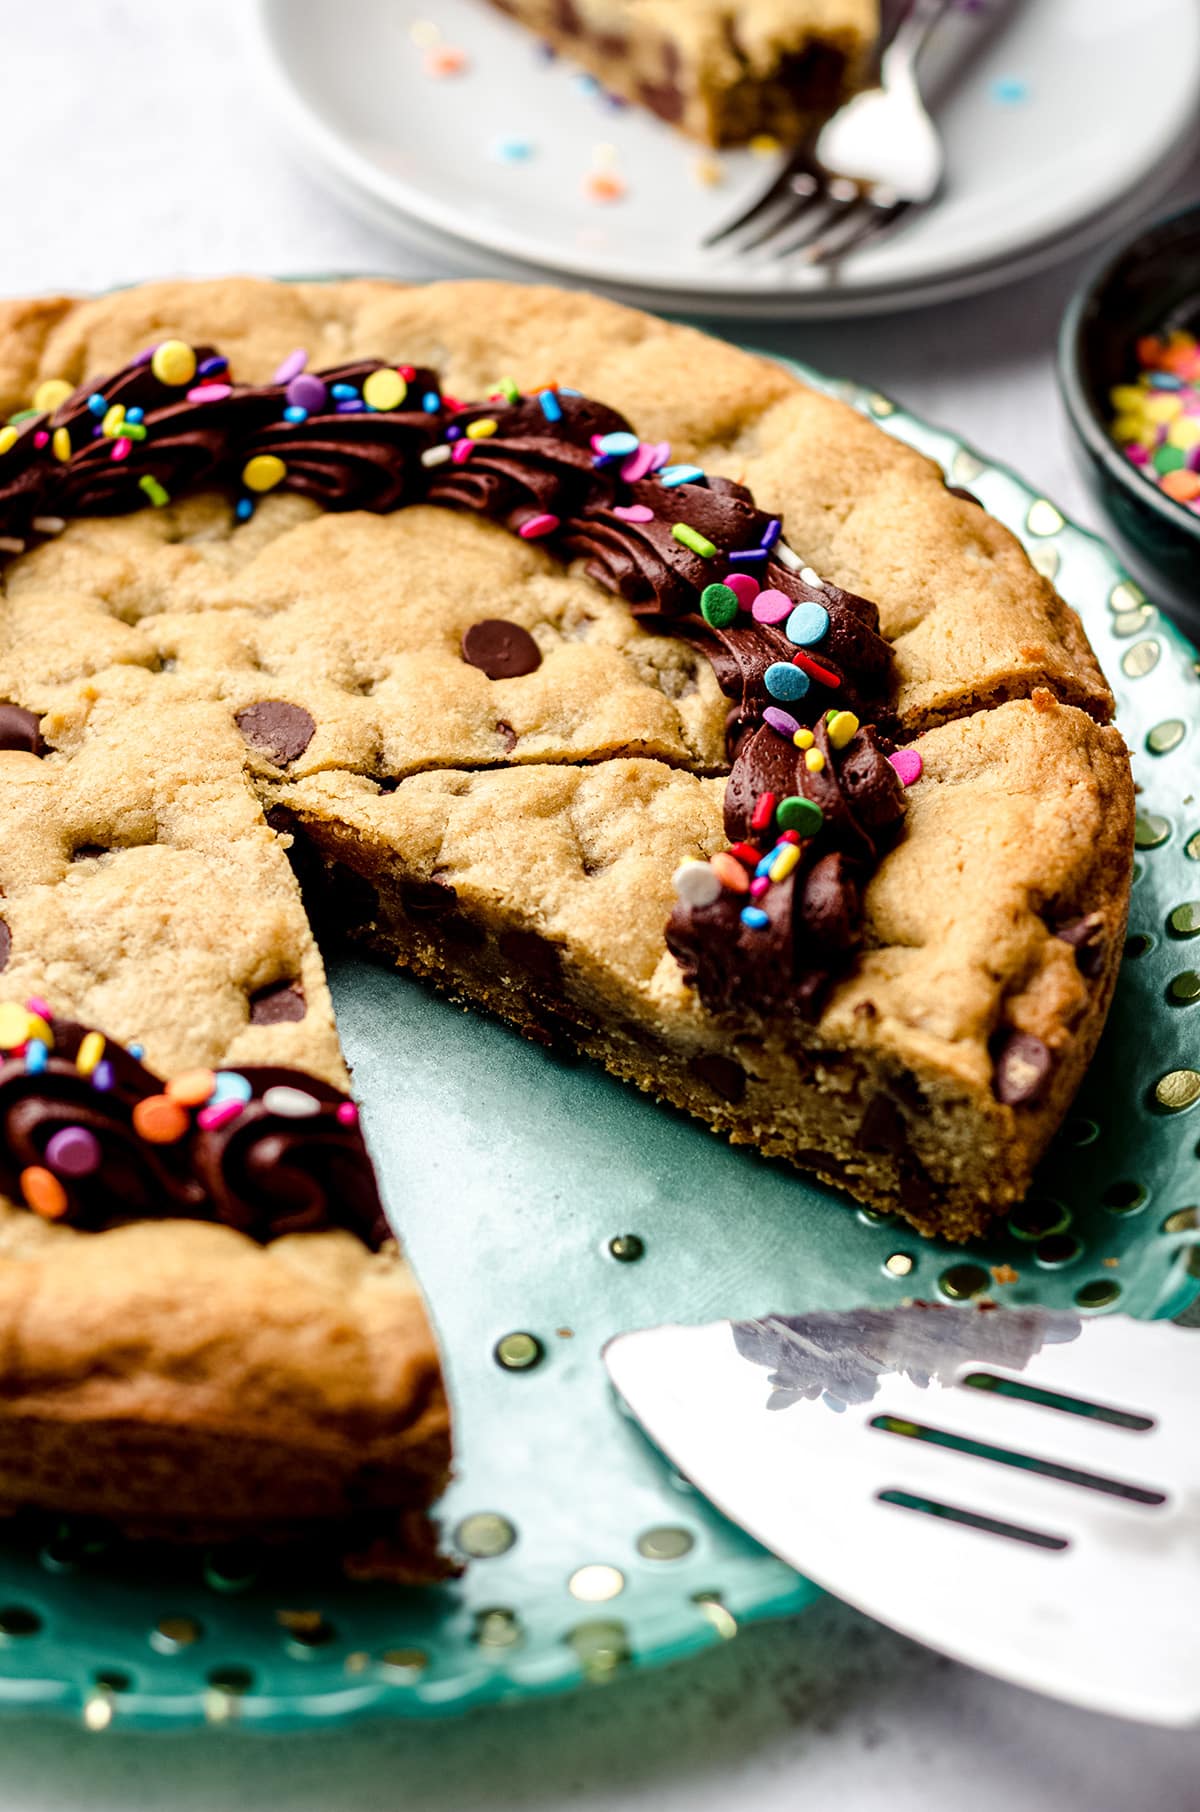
point(220, 1705)
point(518, 1352)
point(306, 1630)
point(1132, 622)
point(1125, 595)
point(16, 1620)
point(963, 1281)
point(665, 1543)
point(1057, 1250)
point(1101, 1293)
point(1166, 736)
point(1141, 659)
point(1177, 1090)
point(1184, 989)
point(596, 1583)
point(602, 1648)
point(170, 1634)
point(1039, 1216)
point(965, 467)
point(1043, 518)
point(627, 1248)
point(357, 1661)
point(485, 1535)
point(1185, 920)
point(1182, 1220)
point(98, 1711)
point(1045, 559)
point(498, 1627)
point(1150, 829)
point(899, 1264)
point(404, 1664)
point(879, 404)
point(231, 1679)
point(1191, 848)
point(722, 1619)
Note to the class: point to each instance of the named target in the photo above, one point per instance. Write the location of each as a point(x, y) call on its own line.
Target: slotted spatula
point(1017, 1488)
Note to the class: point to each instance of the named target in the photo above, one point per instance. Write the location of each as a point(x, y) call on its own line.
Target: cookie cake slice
point(650, 700)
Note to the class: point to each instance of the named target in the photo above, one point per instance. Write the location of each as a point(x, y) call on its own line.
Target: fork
point(879, 157)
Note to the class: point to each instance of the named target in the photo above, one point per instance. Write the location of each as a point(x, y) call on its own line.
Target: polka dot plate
point(546, 1207)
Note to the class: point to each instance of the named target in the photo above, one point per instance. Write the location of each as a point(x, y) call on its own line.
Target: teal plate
point(546, 1206)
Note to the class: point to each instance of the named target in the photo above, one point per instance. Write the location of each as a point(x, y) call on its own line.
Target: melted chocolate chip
point(1022, 1068)
point(721, 1074)
point(663, 98)
point(528, 951)
point(277, 729)
point(507, 735)
point(1088, 938)
point(427, 899)
point(882, 1127)
point(20, 730)
point(5, 944)
point(500, 649)
point(273, 1006)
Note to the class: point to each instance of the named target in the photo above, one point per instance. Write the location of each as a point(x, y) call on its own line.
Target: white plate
point(1071, 116)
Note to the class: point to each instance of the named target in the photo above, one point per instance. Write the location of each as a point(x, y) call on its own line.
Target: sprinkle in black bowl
point(1150, 286)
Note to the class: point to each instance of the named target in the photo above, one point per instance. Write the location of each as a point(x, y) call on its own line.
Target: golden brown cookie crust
point(147, 893)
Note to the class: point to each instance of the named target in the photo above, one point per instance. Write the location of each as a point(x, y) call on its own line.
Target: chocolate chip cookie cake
point(594, 669)
point(720, 71)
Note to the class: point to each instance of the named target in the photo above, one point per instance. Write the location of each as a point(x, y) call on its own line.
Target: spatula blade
point(1043, 1523)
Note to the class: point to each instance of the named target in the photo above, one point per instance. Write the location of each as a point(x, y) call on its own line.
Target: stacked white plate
point(449, 127)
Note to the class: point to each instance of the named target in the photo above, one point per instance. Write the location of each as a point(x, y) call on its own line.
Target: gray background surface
point(136, 145)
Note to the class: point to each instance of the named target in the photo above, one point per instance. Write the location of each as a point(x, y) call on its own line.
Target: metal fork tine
point(780, 222)
point(817, 230)
point(777, 189)
point(869, 221)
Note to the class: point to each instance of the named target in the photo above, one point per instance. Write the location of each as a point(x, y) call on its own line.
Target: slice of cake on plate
point(721, 72)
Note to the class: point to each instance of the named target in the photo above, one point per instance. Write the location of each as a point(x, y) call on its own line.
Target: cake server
point(1017, 1488)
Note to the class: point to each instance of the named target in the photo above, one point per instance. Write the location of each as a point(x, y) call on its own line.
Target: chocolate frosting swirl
point(814, 915)
point(262, 1170)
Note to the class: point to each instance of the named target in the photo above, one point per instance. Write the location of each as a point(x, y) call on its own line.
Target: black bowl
point(1152, 284)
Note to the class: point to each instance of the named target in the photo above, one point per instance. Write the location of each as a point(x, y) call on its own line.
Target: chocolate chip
point(956, 490)
point(507, 735)
point(427, 899)
point(882, 1127)
point(916, 1188)
point(1089, 940)
point(272, 1006)
point(20, 730)
point(721, 1074)
point(1023, 1064)
point(5, 944)
point(527, 950)
point(663, 98)
point(278, 729)
point(499, 649)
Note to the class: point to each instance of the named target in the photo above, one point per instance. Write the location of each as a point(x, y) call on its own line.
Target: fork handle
point(909, 38)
